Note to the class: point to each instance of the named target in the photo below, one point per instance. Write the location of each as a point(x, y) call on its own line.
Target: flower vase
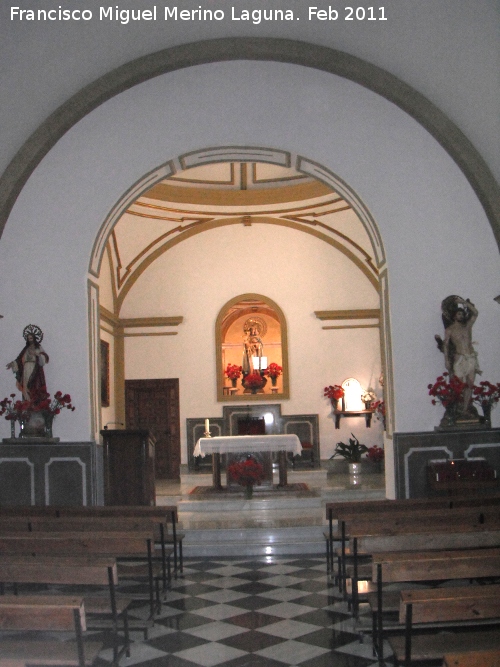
point(12, 428)
point(233, 382)
point(486, 413)
point(354, 468)
point(23, 423)
point(449, 419)
point(274, 381)
point(49, 419)
point(248, 491)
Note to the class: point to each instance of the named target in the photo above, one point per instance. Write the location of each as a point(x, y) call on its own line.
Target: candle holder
point(207, 434)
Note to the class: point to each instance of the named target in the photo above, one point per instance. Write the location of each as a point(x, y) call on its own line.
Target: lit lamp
point(352, 395)
point(259, 363)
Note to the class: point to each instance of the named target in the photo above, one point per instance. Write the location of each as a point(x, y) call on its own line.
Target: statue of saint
point(252, 349)
point(28, 366)
point(460, 357)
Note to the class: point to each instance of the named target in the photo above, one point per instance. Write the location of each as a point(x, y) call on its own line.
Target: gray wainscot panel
point(413, 451)
point(46, 473)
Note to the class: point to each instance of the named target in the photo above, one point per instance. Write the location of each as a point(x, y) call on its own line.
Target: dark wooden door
point(154, 405)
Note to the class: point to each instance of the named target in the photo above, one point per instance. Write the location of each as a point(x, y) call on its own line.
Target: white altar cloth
point(247, 443)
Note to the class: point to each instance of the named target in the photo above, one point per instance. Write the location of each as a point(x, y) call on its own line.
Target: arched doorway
point(226, 195)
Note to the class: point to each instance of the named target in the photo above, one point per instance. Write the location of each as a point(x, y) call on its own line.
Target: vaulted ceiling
point(246, 193)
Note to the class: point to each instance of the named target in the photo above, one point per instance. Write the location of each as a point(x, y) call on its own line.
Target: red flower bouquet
point(447, 390)
point(233, 371)
point(334, 392)
point(486, 394)
point(19, 410)
point(273, 370)
point(253, 381)
point(247, 472)
point(375, 454)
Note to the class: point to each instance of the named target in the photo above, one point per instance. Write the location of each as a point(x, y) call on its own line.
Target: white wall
point(446, 49)
point(437, 239)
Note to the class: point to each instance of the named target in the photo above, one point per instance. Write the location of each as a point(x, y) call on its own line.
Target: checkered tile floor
point(250, 613)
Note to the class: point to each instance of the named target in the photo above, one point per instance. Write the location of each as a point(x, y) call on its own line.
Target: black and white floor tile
point(268, 612)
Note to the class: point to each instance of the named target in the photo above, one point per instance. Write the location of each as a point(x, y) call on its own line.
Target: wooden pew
point(46, 613)
point(454, 606)
point(131, 545)
point(166, 513)
point(88, 523)
point(396, 522)
point(75, 571)
point(367, 509)
point(472, 658)
point(370, 538)
point(385, 505)
point(423, 566)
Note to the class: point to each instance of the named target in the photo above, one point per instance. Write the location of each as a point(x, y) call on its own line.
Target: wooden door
point(154, 405)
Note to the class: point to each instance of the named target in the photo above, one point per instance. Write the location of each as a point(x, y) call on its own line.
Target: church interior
point(250, 280)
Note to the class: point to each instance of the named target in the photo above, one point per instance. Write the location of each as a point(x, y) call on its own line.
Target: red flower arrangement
point(233, 371)
point(247, 472)
point(253, 380)
point(273, 370)
point(20, 410)
point(334, 392)
point(375, 454)
point(486, 394)
point(447, 390)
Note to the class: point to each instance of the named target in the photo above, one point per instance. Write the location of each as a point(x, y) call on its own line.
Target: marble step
point(254, 541)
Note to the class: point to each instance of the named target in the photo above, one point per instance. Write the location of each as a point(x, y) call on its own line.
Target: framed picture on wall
point(104, 374)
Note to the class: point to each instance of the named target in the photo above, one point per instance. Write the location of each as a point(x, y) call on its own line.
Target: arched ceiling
point(203, 197)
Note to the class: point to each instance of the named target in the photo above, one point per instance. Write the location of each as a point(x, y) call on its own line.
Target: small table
point(245, 444)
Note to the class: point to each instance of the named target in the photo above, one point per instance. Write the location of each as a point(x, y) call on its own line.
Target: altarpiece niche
point(251, 350)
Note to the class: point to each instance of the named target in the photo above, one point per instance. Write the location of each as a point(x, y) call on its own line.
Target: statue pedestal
point(44, 471)
point(31, 440)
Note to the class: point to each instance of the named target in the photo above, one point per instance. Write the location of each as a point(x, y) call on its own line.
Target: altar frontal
point(249, 445)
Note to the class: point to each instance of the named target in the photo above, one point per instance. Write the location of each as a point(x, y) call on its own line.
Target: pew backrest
point(436, 565)
point(453, 603)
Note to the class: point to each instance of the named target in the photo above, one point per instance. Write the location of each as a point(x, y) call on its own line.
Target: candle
point(207, 426)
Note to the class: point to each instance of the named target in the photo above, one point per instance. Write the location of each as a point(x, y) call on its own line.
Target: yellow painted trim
point(109, 317)
point(358, 314)
point(156, 333)
point(119, 376)
point(173, 321)
point(353, 326)
point(226, 197)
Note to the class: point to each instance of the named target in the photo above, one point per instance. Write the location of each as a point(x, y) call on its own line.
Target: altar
point(248, 444)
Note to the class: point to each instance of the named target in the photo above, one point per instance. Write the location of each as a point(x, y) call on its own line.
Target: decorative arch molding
point(448, 135)
point(239, 153)
point(375, 272)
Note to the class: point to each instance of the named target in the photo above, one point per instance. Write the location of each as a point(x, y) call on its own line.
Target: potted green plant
point(351, 452)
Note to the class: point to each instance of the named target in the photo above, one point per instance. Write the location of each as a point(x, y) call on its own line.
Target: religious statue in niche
point(253, 346)
point(254, 363)
point(251, 349)
point(28, 366)
point(460, 360)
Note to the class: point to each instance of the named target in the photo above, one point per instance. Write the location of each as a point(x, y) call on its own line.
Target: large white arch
point(421, 200)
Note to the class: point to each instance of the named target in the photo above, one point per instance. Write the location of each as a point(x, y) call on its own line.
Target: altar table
point(245, 444)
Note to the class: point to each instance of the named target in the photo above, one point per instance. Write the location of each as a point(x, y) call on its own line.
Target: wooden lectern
point(129, 467)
